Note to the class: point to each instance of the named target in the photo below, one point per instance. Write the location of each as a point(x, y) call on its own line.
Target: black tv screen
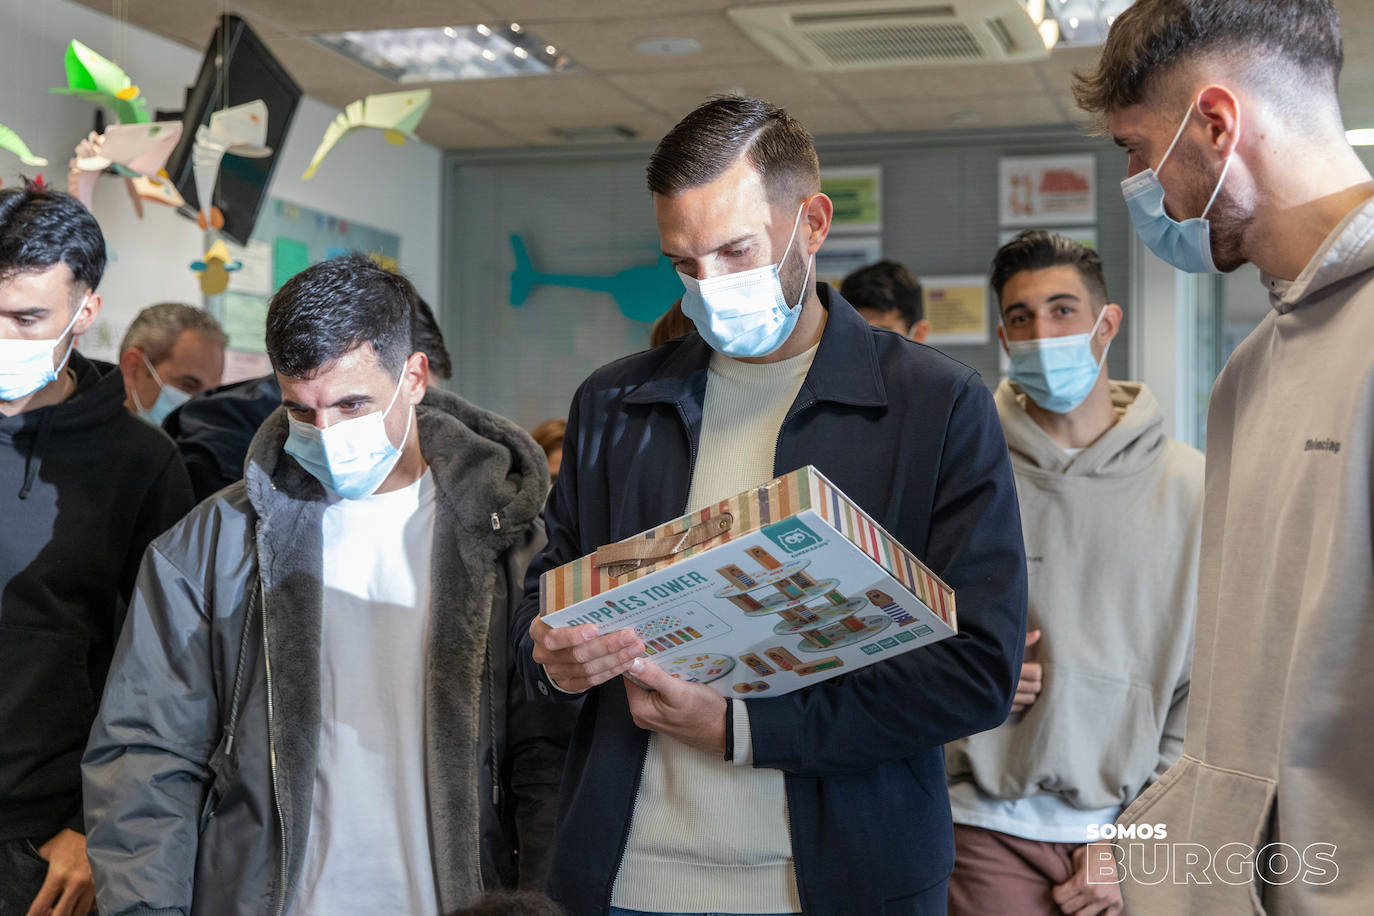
point(237, 68)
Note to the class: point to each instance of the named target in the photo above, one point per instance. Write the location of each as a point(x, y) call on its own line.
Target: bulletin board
point(287, 239)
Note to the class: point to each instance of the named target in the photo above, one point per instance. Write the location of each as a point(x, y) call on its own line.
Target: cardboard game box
point(782, 586)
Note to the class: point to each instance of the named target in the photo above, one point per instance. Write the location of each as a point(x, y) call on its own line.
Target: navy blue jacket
point(910, 435)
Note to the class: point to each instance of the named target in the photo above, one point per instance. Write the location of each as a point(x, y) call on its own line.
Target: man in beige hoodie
point(1229, 108)
point(1111, 513)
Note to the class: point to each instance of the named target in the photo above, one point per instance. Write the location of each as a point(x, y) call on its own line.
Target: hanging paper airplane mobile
point(395, 113)
point(137, 152)
point(237, 131)
point(10, 140)
point(92, 77)
point(214, 270)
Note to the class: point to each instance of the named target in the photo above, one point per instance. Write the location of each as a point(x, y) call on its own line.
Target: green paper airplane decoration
point(92, 77)
point(396, 114)
point(11, 141)
point(641, 293)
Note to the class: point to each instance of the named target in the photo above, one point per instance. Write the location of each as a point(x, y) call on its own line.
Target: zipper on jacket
point(634, 804)
point(644, 755)
point(238, 674)
point(691, 460)
point(783, 426)
point(272, 764)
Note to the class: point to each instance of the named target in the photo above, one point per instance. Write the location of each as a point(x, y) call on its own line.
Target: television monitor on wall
point(237, 68)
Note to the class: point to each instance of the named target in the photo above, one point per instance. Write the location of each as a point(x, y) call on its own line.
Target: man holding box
point(1100, 709)
point(675, 799)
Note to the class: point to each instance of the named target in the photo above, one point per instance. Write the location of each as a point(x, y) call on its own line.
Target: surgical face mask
point(352, 457)
point(169, 398)
point(1186, 245)
point(745, 314)
point(1056, 372)
point(26, 365)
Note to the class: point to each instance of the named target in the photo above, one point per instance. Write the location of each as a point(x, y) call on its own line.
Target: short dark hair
point(333, 307)
point(425, 335)
point(1153, 37)
point(41, 227)
point(713, 137)
point(1036, 249)
point(886, 287)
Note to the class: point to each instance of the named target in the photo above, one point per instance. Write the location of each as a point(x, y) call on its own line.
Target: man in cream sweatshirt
point(1111, 512)
point(1228, 111)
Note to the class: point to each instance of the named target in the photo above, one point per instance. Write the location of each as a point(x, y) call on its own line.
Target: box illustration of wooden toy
point(785, 585)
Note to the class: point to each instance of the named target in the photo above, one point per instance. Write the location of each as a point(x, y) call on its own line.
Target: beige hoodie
point(1111, 549)
point(1280, 746)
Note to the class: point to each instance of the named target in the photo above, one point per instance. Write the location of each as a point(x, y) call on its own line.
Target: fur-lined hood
point(484, 465)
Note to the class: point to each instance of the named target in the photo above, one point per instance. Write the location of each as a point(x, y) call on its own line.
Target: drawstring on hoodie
point(37, 450)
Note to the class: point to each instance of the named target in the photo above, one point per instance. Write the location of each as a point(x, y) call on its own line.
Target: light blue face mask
point(1186, 245)
point(745, 314)
point(352, 457)
point(169, 399)
point(1056, 372)
point(26, 365)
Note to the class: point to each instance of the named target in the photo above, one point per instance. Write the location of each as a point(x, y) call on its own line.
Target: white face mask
point(26, 365)
point(352, 457)
point(745, 314)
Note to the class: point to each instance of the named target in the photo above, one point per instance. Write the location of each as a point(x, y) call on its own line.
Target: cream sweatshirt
point(1279, 747)
point(709, 835)
point(1112, 557)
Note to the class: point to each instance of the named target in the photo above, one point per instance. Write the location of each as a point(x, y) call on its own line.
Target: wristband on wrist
point(729, 729)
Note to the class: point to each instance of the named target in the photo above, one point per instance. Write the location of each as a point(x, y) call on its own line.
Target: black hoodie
point(84, 486)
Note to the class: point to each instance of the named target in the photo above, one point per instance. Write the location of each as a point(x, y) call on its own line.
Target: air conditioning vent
point(867, 34)
point(897, 44)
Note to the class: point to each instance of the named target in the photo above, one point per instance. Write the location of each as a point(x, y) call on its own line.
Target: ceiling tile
point(933, 82)
point(832, 119)
point(311, 16)
point(648, 126)
point(939, 114)
point(607, 45)
point(532, 11)
point(534, 96)
point(676, 92)
point(448, 130)
point(318, 69)
point(190, 22)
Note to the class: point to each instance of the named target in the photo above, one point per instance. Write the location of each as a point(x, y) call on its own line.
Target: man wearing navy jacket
point(830, 799)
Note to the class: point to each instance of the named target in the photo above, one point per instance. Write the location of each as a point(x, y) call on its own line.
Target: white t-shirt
point(368, 848)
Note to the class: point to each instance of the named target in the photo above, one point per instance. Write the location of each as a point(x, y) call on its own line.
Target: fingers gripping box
point(785, 585)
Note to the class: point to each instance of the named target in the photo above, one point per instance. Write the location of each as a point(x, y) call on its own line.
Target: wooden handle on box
point(622, 557)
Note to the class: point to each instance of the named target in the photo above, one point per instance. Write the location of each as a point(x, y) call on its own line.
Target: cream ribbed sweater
point(708, 835)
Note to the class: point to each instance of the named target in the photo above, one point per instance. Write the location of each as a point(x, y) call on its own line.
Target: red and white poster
point(1047, 190)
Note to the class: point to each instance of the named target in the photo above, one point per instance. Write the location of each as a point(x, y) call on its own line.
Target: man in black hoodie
point(84, 486)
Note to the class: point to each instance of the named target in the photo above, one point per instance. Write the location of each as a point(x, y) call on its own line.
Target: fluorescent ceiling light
point(1360, 136)
point(1049, 32)
point(1083, 22)
point(482, 51)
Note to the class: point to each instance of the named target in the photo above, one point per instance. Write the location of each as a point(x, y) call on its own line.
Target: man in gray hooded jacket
point(1111, 511)
point(311, 708)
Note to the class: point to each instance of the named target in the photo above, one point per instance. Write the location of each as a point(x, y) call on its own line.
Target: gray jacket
point(200, 769)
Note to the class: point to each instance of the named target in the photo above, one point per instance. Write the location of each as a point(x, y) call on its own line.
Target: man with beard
point(1228, 110)
point(676, 800)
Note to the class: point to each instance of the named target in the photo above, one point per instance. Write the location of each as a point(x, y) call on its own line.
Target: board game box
point(779, 587)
